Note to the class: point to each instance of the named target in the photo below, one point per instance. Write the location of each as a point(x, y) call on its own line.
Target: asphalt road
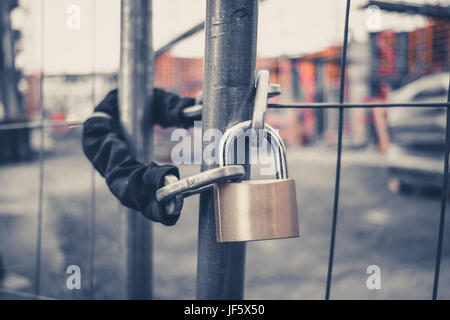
point(397, 232)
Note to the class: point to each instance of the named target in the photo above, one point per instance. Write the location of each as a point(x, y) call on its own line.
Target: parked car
point(416, 154)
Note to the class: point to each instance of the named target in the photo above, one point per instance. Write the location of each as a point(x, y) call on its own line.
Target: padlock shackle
point(276, 143)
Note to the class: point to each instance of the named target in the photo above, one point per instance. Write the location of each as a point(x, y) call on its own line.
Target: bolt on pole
point(230, 59)
point(135, 90)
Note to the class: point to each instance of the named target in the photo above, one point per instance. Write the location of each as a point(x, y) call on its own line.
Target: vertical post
point(230, 57)
point(9, 96)
point(135, 89)
point(92, 218)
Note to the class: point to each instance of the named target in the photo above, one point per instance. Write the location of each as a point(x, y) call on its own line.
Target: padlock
point(251, 210)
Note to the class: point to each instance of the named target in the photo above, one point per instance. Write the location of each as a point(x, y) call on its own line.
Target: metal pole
point(92, 213)
point(135, 89)
point(40, 217)
point(230, 56)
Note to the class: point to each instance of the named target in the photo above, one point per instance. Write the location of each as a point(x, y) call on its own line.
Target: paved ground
point(396, 232)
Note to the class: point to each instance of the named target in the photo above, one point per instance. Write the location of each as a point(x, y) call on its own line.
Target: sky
point(286, 27)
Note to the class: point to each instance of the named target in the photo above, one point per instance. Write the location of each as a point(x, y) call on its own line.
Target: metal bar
point(92, 230)
point(92, 219)
point(135, 88)
point(24, 295)
point(79, 75)
point(443, 203)
point(39, 125)
point(187, 34)
point(339, 152)
point(37, 282)
point(427, 10)
point(230, 57)
point(317, 105)
point(12, 107)
point(331, 105)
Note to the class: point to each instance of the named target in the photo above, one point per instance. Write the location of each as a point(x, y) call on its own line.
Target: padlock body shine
point(256, 210)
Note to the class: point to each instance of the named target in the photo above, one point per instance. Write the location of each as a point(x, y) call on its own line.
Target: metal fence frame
point(341, 105)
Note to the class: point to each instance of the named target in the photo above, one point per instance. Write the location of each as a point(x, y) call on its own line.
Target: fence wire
point(443, 202)
point(339, 152)
point(42, 124)
point(92, 212)
point(37, 282)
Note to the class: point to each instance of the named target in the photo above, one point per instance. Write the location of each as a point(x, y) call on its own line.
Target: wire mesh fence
point(341, 105)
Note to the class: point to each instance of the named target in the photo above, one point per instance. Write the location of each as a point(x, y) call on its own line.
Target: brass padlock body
point(256, 210)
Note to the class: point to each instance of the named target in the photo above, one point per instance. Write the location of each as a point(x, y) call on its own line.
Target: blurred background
point(68, 51)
